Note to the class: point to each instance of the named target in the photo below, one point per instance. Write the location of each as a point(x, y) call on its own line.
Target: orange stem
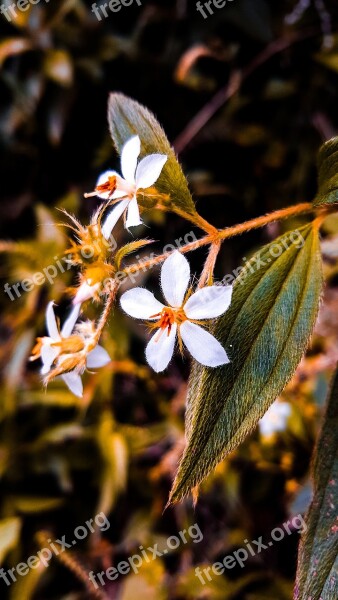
point(228, 232)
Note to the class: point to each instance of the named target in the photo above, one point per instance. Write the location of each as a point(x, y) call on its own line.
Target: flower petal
point(140, 303)
point(175, 275)
point(85, 292)
point(112, 218)
point(203, 346)
point(51, 324)
point(103, 178)
point(69, 324)
point(149, 170)
point(129, 155)
point(97, 358)
point(74, 382)
point(208, 302)
point(161, 348)
point(133, 214)
point(48, 355)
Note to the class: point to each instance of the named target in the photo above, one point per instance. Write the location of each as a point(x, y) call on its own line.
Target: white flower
point(275, 419)
point(135, 177)
point(68, 346)
point(180, 316)
point(85, 292)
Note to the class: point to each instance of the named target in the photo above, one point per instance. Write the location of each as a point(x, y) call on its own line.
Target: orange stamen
point(108, 186)
point(167, 317)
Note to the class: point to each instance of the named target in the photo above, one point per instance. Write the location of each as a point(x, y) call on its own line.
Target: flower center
point(108, 186)
point(168, 316)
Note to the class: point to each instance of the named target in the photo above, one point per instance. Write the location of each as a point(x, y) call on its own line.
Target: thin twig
point(234, 85)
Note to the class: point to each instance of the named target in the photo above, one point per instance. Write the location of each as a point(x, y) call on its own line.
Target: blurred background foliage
point(248, 96)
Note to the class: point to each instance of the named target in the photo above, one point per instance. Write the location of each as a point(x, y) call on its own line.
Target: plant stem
point(106, 312)
point(194, 218)
point(209, 267)
point(215, 239)
point(226, 233)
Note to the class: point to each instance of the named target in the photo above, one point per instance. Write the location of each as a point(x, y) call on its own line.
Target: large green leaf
point(265, 332)
point(317, 576)
point(127, 118)
point(328, 174)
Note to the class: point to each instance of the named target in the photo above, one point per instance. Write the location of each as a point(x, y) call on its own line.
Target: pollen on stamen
point(166, 321)
point(108, 186)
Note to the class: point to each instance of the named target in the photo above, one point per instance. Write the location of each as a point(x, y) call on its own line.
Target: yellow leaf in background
point(48, 229)
point(26, 586)
point(16, 365)
point(114, 451)
point(12, 47)
point(32, 504)
point(148, 583)
point(61, 398)
point(9, 535)
point(19, 18)
point(58, 66)
point(328, 60)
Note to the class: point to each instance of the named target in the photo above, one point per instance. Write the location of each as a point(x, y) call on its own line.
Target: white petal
point(140, 303)
point(149, 170)
point(129, 155)
point(203, 346)
point(85, 292)
point(160, 349)
point(48, 355)
point(175, 275)
point(103, 178)
point(74, 382)
point(52, 327)
point(112, 218)
point(98, 357)
point(208, 302)
point(133, 214)
point(69, 324)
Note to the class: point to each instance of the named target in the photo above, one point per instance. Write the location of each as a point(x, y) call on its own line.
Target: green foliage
point(266, 330)
point(317, 576)
point(127, 118)
point(328, 174)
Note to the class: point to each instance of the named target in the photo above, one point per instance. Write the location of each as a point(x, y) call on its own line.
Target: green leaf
point(317, 575)
point(327, 174)
point(127, 118)
point(129, 249)
point(265, 331)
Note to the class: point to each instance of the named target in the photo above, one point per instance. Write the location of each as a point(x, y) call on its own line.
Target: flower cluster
point(68, 351)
